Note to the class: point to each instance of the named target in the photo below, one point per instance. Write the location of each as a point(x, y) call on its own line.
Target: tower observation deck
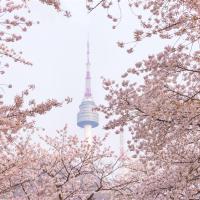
point(87, 118)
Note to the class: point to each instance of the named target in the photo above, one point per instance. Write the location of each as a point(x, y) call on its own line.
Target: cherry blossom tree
point(13, 23)
point(162, 111)
point(17, 119)
point(68, 169)
point(18, 116)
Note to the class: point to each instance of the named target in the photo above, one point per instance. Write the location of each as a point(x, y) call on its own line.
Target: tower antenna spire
point(88, 92)
point(88, 54)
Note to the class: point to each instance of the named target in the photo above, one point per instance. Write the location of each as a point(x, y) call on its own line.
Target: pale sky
point(57, 48)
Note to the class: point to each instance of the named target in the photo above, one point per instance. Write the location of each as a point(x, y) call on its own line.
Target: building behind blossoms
point(88, 119)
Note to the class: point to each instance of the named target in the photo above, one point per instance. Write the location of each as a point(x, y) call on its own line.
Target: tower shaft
point(88, 133)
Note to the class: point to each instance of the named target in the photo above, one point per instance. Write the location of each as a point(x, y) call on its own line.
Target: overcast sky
point(57, 48)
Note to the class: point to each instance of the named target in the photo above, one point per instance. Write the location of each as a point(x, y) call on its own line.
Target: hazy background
point(57, 48)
